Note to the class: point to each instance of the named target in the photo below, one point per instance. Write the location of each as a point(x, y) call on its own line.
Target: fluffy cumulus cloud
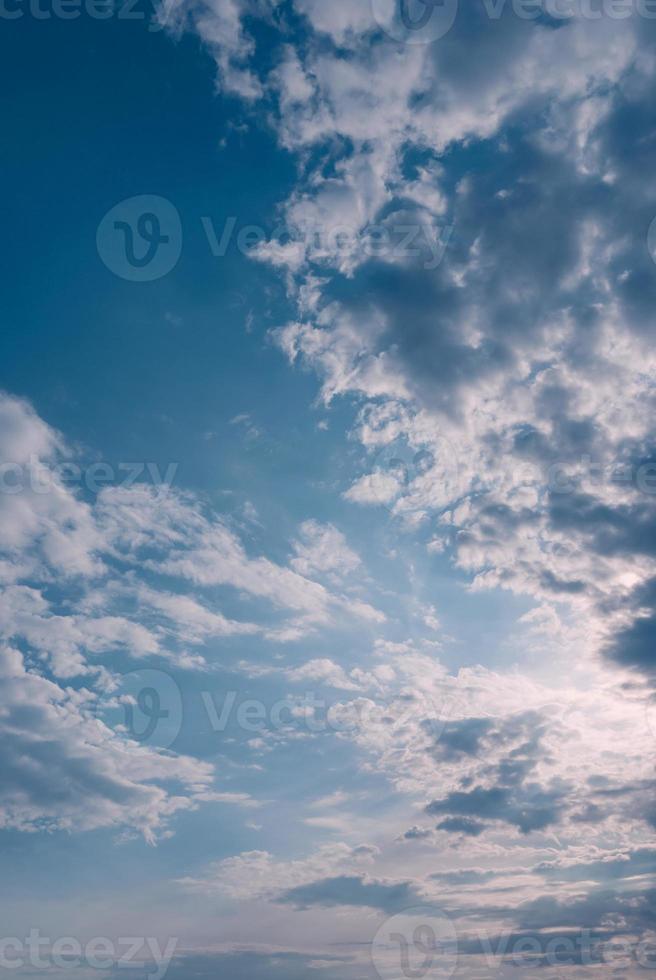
point(322, 548)
point(490, 304)
point(91, 587)
point(63, 769)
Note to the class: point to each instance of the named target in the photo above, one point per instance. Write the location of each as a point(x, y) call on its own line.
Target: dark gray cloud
point(506, 792)
point(528, 808)
point(353, 890)
point(635, 646)
point(461, 737)
point(417, 833)
point(467, 876)
point(633, 909)
point(462, 825)
point(601, 913)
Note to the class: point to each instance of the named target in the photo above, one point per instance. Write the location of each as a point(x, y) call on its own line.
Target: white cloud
point(323, 671)
point(374, 488)
point(258, 874)
point(322, 548)
point(63, 769)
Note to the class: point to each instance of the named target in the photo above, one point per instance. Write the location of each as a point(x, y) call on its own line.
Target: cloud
point(351, 890)
point(417, 833)
point(527, 352)
point(62, 769)
point(511, 793)
point(252, 964)
point(326, 672)
point(532, 808)
point(208, 553)
point(257, 875)
point(509, 345)
point(461, 825)
point(220, 26)
point(322, 548)
point(463, 736)
point(50, 532)
point(40, 520)
point(122, 563)
point(627, 864)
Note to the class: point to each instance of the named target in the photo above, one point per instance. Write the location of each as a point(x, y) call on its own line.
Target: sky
point(327, 489)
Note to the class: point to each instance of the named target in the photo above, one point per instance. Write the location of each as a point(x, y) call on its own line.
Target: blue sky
point(327, 557)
